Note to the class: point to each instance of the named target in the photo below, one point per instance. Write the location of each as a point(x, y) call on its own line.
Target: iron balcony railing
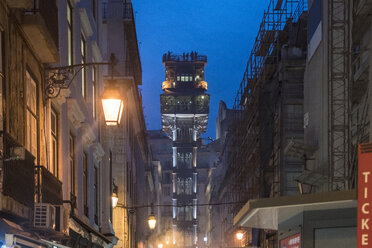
point(18, 172)
point(50, 187)
point(188, 57)
point(184, 109)
point(119, 9)
point(47, 9)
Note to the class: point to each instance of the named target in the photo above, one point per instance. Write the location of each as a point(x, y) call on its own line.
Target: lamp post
point(59, 78)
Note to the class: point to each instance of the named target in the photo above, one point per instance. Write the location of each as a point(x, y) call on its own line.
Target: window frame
point(32, 114)
point(72, 163)
point(83, 52)
point(54, 139)
point(70, 33)
point(85, 184)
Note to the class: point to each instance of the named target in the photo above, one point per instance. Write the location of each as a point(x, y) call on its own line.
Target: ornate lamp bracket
point(59, 78)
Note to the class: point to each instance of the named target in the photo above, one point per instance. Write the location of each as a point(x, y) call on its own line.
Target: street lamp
point(59, 78)
point(114, 197)
point(112, 104)
point(152, 221)
point(239, 234)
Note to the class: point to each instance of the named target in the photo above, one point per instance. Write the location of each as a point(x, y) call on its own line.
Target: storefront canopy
point(267, 213)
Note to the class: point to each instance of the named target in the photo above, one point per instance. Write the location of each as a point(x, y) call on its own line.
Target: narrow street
point(185, 123)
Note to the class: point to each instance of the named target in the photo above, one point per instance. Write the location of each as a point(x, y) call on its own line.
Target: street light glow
point(113, 105)
point(239, 235)
point(152, 221)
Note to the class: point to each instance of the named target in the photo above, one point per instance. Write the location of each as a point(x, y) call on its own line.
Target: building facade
point(335, 121)
point(58, 155)
point(129, 152)
point(266, 116)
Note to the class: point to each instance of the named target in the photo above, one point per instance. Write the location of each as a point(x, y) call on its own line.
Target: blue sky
point(224, 30)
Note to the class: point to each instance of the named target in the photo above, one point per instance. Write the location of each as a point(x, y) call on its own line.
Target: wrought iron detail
point(59, 78)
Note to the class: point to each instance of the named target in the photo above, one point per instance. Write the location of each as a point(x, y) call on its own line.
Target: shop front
point(327, 219)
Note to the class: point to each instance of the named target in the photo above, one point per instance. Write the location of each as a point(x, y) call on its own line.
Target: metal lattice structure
point(338, 93)
point(254, 164)
point(244, 155)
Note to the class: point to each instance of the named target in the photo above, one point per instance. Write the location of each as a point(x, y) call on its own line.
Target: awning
point(53, 244)
point(266, 213)
point(20, 240)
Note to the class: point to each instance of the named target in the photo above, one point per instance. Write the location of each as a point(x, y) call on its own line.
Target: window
point(178, 78)
point(85, 183)
point(72, 165)
point(83, 70)
point(70, 39)
point(94, 9)
point(2, 71)
point(167, 191)
point(96, 195)
point(31, 115)
point(111, 183)
point(54, 142)
point(94, 79)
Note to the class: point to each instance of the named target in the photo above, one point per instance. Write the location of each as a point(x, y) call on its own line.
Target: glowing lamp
point(114, 197)
point(152, 221)
point(113, 105)
point(239, 234)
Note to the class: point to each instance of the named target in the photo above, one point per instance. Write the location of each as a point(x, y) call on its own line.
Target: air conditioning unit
point(44, 216)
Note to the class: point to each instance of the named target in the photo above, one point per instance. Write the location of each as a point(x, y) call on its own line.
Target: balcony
point(40, 25)
point(126, 69)
point(50, 187)
point(194, 57)
point(124, 11)
point(20, 4)
point(198, 104)
point(18, 172)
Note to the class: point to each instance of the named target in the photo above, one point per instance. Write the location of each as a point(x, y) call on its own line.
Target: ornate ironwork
point(59, 78)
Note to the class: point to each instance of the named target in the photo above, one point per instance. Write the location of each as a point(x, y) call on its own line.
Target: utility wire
point(178, 205)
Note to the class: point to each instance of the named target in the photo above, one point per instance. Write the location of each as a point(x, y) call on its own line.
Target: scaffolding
point(245, 172)
point(338, 93)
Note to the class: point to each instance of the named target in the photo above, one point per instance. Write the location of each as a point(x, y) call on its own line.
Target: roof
point(267, 213)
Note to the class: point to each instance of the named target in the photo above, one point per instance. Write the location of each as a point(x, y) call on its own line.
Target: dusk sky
point(224, 30)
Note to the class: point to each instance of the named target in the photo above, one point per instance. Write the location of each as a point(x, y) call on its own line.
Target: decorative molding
point(98, 151)
point(85, 23)
point(62, 97)
point(88, 135)
point(97, 55)
point(75, 114)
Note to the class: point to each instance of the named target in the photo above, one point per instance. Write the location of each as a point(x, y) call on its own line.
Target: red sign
point(364, 233)
point(293, 241)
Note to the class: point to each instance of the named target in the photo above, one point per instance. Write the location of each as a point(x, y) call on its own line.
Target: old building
point(219, 217)
point(268, 114)
point(28, 39)
point(61, 163)
point(129, 152)
point(335, 121)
